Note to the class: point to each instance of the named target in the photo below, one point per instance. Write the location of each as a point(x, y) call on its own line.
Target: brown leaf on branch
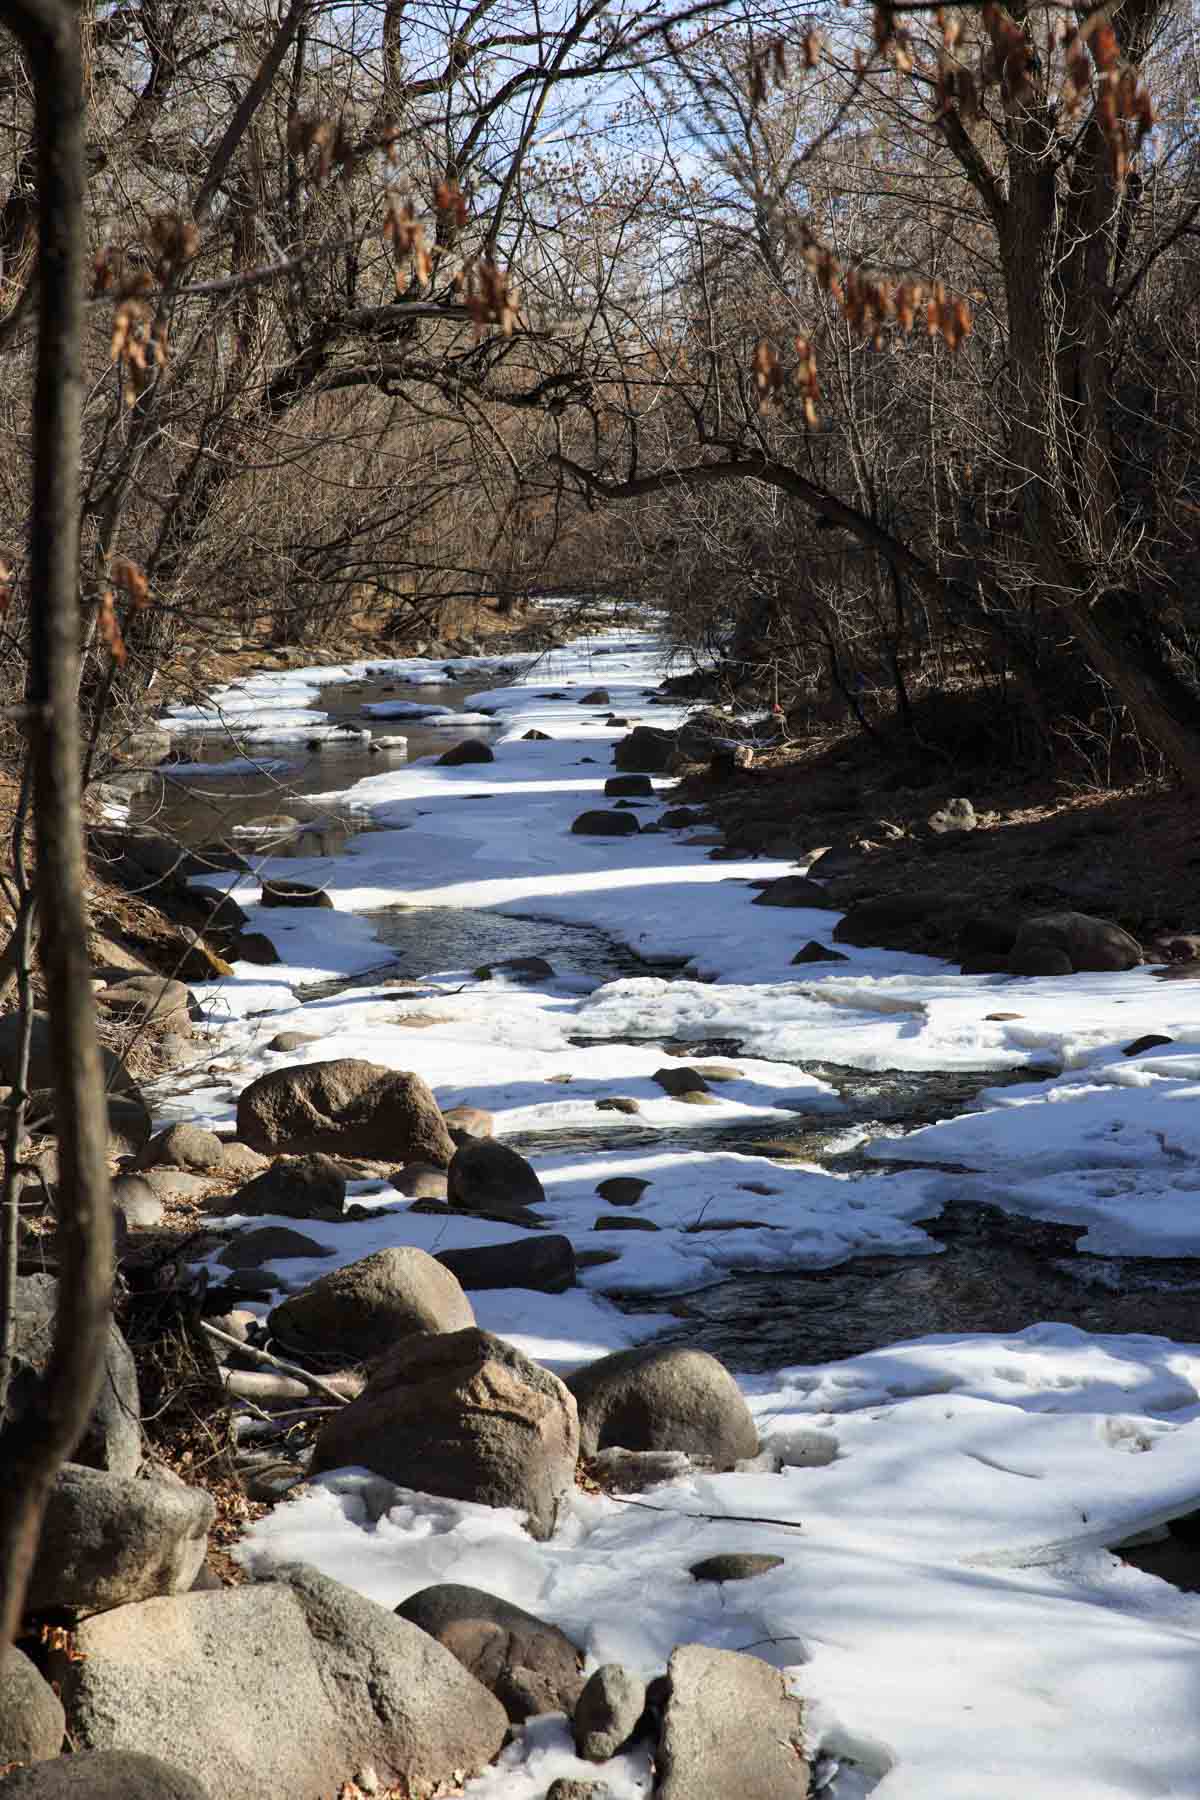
point(110, 629)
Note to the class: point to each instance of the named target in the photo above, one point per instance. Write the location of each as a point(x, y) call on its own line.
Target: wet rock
point(595, 697)
point(471, 750)
point(421, 1182)
point(517, 968)
point(113, 1439)
point(462, 1414)
point(530, 1666)
point(1153, 1040)
point(110, 1539)
point(183, 1147)
point(665, 1398)
point(280, 1688)
point(295, 1187)
point(102, 1775)
point(347, 1106)
point(363, 1308)
point(1071, 943)
point(646, 749)
point(605, 824)
point(622, 1190)
point(629, 787)
point(607, 1711)
point(545, 1263)
point(269, 1243)
point(623, 1222)
point(734, 1565)
point(255, 947)
point(32, 1720)
point(619, 1103)
point(680, 1082)
point(956, 815)
point(819, 953)
point(486, 1176)
point(534, 736)
point(729, 1727)
point(277, 892)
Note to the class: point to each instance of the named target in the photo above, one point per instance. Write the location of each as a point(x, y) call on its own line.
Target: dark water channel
point(993, 1272)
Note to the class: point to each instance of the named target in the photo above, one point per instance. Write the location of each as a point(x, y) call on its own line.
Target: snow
point(949, 1604)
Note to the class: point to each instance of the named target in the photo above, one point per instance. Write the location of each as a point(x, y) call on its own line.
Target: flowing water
point(991, 1271)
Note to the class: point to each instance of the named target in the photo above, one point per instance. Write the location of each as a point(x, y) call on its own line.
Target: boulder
point(681, 818)
point(1151, 1040)
point(295, 1187)
point(463, 1122)
point(607, 1711)
point(42, 1059)
point(545, 1262)
point(734, 1565)
point(534, 736)
point(462, 1414)
point(665, 1398)
point(421, 1182)
point(102, 1775)
point(150, 1001)
point(565, 1787)
point(240, 1162)
point(486, 1176)
point(254, 947)
point(629, 787)
point(729, 1727)
point(889, 919)
point(623, 1222)
point(289, 1687)
point(595, 697)
point(110, 1539)
point(137, 1202)
point(113, 1438)
point(987, 934)
point(619, 1103)
point(286, 1041)
point(362, 1308)
point(622, 1190)
point(646, 749)
point(1068, 943)
point(793, 890)
point(605, 824)
point(517, 968)
point(530, 1666)
point(680, 1081)
point(32, 1721)
point(471, 750)
point(956, 815)
point(269, 1243)
point(277, 892)
point(347, 1106)
point(183, 1147)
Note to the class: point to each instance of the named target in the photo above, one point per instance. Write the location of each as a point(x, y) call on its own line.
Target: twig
point(313, 1382)
point(709, 1518)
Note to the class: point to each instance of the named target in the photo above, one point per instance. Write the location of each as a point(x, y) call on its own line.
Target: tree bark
point(32, 1451)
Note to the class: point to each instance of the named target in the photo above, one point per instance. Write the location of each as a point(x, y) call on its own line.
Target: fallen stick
point(313, 1383)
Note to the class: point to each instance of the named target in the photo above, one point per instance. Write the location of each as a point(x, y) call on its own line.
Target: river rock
point(682, 818)
point(295, 1187)
point(183, 1147)
point(254, 947)
point(1068, 943)
point(530, 1666)
point(622, 1190)
point(607, 1711)
point(595, 697)
point(623, 1222)
point(285, 1042)
point(680, 1081)
point(597, 823)
point(889, 919)
point(102, 1775)
point(462, 1414)
point(819, 953)
point(466, 1122)
point(646, 749)
point(666, 1398)
point(471, 750)
point(729, 1727)
point(517, 968)
point(629, 787)
point(32, 1720)
point(268, 1243)
point(534, 736)
point(42, 1059)
point(278, 892)
point(129, 1122)
point(110, 1539)
point(793, 890)
point(734, 1565)
point(421, 1181)
point(136, 1201)
point(486, 1176)
point(545, 1262)
point(1152, 1040)
point(362, 1308)
point(956, 815)
point(347, 1106)
point(112, 1440)
point(286, 1688)
point(149, 1001)
point(619, 1103)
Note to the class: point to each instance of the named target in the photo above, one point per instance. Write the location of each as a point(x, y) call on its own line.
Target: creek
point(991, 1272)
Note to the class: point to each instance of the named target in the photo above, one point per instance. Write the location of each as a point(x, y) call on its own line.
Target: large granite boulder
point(102, 1775)
point(486, 1176)
point(465, 1415)
point(1067, 943)
point(110, 1539)
point(363, 1308)
point(666, 1398)
point(113, 1438)
point(729, 1727)
point(32, 1721)
point(348, 1107)
point(289, 1687)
